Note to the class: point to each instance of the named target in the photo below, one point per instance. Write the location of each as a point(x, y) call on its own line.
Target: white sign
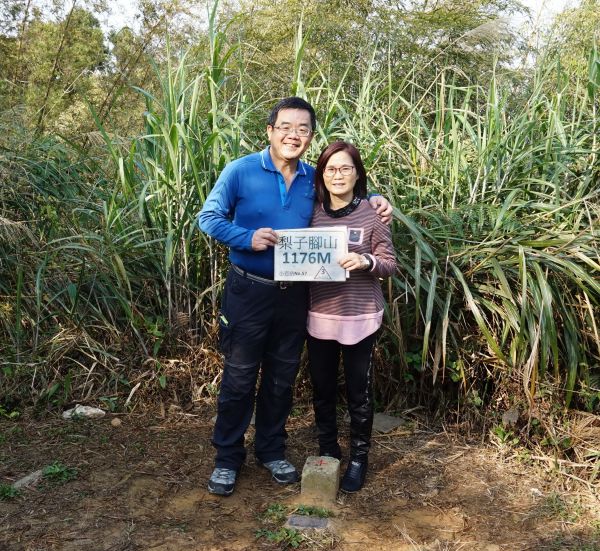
point(310, 254)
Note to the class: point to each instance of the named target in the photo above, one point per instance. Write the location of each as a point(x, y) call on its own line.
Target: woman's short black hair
point(360, 188)
point(293, 102)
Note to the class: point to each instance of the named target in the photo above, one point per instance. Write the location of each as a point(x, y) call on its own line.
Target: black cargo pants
point(262, 329)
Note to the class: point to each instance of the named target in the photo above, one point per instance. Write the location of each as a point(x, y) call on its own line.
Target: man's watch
point(367, 262)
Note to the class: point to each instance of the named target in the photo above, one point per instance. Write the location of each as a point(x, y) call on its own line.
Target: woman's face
point(340, 177)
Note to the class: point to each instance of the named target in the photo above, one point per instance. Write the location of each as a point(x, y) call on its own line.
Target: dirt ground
point(142, 486)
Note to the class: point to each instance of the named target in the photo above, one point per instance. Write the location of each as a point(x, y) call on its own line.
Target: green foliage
point(343, 40)
point(7, 413)
point(555, 505)
point(58, 473)
point(286, 537)
point(8, 491)
point(275, 513)
point(493, 175)
point(309, 510)
point(573, 35)
point(566, 544)
point(110, 402)
point(504, 436)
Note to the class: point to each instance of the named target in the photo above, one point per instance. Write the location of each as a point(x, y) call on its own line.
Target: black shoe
point(333, 451)
point(354, 477)
point(222, 482)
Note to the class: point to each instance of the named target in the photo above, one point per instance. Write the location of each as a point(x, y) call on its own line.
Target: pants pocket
point(225, 335)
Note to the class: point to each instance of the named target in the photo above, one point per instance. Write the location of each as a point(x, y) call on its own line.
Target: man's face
point(287, 143)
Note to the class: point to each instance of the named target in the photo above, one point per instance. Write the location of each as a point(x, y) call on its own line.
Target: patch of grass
point(297, 411)
point(503, 436)
point(556, 506)
point(274, 532)
point(285, 537)
point(275, 513)
point(562, 544)
point(524, 457)
point(59, 473)
point(8, 413)
point(8, 491)
point(310, 511)
point(110, 402)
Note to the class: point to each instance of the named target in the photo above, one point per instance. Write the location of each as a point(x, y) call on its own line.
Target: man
point(262, 321)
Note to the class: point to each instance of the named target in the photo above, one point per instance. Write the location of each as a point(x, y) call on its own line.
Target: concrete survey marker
point(320, 480)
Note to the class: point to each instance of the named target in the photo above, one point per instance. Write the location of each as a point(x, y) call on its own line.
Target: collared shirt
point(249, 195)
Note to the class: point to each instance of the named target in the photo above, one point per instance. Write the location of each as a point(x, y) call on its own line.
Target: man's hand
point(382, 207)
point(263, 238)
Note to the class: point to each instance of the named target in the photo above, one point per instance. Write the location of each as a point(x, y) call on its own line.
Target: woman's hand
point(354, 261)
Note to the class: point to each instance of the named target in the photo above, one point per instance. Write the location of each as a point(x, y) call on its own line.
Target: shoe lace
point(223, 475)
point(280, 465)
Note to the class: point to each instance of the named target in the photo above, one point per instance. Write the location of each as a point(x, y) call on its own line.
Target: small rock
point(386, 423)
point(536, 493)
point(116, 422)
point(83, 411)
point(510, 417)
point(28, 480)
point(307, 522)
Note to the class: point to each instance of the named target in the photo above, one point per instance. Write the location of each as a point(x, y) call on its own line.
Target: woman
point(344, 316)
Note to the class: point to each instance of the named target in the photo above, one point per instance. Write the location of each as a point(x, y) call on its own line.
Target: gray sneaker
point(222, 481)
point(282, 471)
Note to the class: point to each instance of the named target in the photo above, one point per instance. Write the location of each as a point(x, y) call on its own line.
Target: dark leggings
point(324, 359)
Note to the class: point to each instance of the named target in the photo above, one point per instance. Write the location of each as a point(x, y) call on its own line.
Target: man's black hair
point(293, 102)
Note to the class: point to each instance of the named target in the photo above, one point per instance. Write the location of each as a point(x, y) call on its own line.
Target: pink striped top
point(348, 311)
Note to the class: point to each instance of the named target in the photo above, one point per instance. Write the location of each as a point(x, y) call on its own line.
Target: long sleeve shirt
point(249, 194)
point(348, 311)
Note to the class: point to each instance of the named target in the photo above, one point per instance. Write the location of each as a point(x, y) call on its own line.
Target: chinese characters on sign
point(310, 254)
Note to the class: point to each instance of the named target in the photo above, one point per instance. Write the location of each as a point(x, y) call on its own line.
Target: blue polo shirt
point(250, 194)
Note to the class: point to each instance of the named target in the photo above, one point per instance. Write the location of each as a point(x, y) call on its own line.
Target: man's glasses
point(303, 132)
point(344, 171)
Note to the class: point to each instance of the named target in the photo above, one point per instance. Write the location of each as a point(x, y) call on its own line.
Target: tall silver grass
point(496, 227)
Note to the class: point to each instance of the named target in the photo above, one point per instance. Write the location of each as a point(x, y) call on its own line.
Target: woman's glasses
point(344, 171)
